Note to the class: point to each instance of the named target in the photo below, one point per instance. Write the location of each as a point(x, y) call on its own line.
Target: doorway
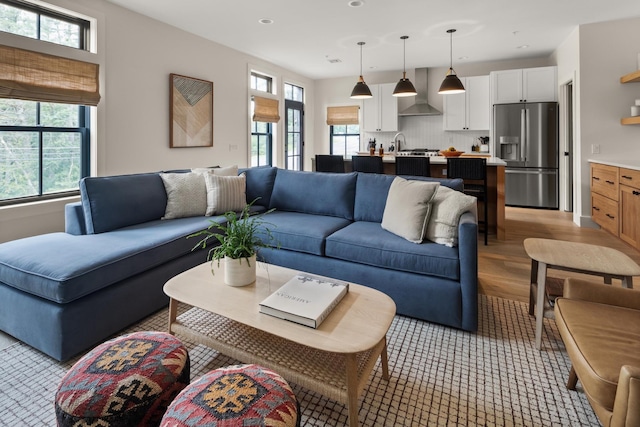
point(569, 144)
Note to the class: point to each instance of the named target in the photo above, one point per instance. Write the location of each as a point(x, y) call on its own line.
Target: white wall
point(567, 58)
point(136, 55)
point(607, 51)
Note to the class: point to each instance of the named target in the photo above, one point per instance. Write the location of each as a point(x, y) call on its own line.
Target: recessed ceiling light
point(463, 57)
point(524, 46)
point(356, 3)
point(265, 21)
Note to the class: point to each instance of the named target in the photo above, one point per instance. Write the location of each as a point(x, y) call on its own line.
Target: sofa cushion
point(330, 194)
point(186, 195)
point(447, 208)
point(112, 202)
point(225, 193)
point(604, 338)
point(367, 243)
point(406, 212)
point(372, 190)
point(62, 267)
point(301, 232)
point(260, 182)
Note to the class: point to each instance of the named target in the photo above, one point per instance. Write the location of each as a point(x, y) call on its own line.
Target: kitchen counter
point(627, 163)
point(440, 160)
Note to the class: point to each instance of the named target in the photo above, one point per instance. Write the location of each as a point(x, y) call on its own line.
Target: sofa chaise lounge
point(64, 292)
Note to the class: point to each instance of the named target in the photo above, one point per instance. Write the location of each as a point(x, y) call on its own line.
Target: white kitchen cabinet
point(380, 113)
point(470, 110)
point(538, 84)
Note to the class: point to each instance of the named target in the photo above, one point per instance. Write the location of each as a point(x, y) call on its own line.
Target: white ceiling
point(306, 34)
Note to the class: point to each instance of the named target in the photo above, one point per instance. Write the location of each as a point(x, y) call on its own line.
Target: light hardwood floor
point(504, 268)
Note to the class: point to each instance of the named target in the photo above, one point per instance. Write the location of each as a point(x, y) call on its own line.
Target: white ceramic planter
point(239, 272)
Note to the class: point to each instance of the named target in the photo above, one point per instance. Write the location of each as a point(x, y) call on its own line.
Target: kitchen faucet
point(397, 141)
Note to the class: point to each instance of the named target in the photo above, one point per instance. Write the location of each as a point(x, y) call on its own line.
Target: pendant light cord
point(360, 43)
point(451, 48)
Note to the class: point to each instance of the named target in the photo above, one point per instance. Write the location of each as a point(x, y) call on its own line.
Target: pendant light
point(361, 90)
point(404, 86)
point(451, 83)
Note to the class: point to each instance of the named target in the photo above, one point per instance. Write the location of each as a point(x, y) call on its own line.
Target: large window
point(345, 139)
point(44, 149)
point(44, 146)
point(261, 132)
point(30, 20)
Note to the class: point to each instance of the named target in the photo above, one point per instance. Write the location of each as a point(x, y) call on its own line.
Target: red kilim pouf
point(243, 395)
point(127, 381)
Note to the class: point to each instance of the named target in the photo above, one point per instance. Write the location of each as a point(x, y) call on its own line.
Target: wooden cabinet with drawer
point(604, 197)
point(629, 206)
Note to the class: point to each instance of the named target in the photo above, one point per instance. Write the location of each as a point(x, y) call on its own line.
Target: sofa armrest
point(605, 294)
point(74, 219)
point(626, 407)
point(468, 253)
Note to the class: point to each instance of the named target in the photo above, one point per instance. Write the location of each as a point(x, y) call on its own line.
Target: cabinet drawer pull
point(627, 177)
point(609, 182)
point(610, 216)
point(636, 193)
point(596, 209)
point(595, 178)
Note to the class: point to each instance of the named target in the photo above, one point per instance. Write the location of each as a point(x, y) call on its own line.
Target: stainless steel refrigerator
point(526, 137)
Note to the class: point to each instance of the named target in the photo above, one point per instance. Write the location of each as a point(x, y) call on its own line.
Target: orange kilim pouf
point(243, 395)
point(127, 381)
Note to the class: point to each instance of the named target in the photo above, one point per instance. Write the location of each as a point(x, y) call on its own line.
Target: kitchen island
point(495, 183)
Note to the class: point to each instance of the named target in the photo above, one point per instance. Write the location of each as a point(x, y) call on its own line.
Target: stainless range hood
point(421, 106)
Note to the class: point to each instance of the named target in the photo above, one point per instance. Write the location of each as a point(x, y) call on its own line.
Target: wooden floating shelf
point(631, 77)
point(630, 121)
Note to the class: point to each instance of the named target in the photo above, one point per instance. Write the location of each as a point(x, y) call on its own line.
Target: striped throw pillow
point(225, 193)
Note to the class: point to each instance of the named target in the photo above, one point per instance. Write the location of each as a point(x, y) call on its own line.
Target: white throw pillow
point(227, 171)
point(448, 206)
point(186, 195)
point(406, 212)
point(225, 193)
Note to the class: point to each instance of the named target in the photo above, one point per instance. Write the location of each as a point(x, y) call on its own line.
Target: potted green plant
point(240, 239)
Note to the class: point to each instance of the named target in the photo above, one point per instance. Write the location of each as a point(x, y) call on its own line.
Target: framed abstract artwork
point(191, 116)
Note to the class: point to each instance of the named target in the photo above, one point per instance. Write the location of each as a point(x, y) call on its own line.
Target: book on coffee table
point(306, 299)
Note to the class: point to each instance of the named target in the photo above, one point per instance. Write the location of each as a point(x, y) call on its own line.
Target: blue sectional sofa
point(64, 292)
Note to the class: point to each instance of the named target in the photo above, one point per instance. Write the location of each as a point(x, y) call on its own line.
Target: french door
point(294, 125)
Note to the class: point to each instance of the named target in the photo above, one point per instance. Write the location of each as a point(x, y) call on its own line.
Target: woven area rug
point(439, 377)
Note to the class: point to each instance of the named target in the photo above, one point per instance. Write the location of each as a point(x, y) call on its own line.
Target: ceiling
point(308, 36)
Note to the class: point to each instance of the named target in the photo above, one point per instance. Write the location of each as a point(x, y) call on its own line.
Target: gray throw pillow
point(406, 212)
point(186, 195)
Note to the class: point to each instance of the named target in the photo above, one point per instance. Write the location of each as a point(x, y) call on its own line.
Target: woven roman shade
point(265, 110)
point(34, 76)
point(347, 115)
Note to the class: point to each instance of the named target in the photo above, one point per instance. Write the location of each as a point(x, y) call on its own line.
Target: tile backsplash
point(426, 132)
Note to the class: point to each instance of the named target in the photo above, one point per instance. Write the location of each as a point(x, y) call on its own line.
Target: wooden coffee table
point(336, 359)
point(570, 256)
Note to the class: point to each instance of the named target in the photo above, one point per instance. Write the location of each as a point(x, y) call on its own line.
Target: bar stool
point(472, 169)
point(415, 166)
point(329, 163)
point(367, 164)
